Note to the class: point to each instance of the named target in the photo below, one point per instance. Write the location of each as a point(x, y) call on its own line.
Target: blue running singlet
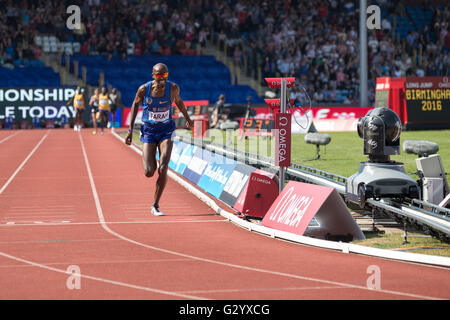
point(158, 124)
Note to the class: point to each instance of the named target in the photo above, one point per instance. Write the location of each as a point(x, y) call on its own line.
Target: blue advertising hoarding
point(177, 150)
point(197, 165)
point(236, 183)
point(216, 175)
point(184, 159)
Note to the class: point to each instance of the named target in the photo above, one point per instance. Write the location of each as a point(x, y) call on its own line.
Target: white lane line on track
point(113, 282)
point(261, 289)
point(55, 241)
point(281, 274)
point(68, 223)
point(97, 200)
point(79, 263)
point(9, 137)
point(23, 163)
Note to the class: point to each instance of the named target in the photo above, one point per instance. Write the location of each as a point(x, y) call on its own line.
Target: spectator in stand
point(277, 36)
point(326, 94)
point(317, 97)
point(332, 96)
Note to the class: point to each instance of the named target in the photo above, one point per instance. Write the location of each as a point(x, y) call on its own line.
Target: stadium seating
point(34, 74)
point(199, 77)
point(202, 77)
point(417, 20)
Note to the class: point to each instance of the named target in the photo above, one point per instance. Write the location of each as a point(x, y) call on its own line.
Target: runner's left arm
point(175, 97)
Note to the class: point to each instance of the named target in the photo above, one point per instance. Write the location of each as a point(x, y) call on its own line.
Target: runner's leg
point(165, 151)
point(78, 118)
point(94, 120)
point(149, 159)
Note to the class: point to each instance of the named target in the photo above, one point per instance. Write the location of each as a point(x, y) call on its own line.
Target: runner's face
point(158, 76)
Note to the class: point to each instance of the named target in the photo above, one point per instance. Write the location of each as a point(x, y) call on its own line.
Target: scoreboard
point(420, 102)
point(428, 99)
point(256, 127)
point(259, 124)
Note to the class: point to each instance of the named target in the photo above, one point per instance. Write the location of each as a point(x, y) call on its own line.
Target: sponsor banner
point(275, 104)
point(236, 183)
point(338, 113)
point(275, 83)
point(216, 175)
point(177, 150)
point(184, 159)
point(336, 125)
point(327, 119)
point(299, 203)
point(283, 139)
point(197, 164)
point(295, 207)
point(317, 113)
point(44, 103)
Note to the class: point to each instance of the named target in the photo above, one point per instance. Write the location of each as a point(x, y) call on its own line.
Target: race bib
point(158, 116)
point(103, 101)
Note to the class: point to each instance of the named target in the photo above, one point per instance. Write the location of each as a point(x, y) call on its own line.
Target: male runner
point(78, 104)
point(93, 103)
point(158, 127)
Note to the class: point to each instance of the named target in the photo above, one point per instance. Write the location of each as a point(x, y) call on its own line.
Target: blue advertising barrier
point(197, 165)
point(184, 159)
point(216, 175)
point(177, 150)
point(236, 183)
point(223, 178)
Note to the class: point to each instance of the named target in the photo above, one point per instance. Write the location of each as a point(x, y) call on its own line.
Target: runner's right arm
point(140, 95)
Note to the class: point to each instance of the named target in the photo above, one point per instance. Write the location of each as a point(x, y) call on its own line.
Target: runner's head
point(104, 91)
point(78, 90)
point(96, 92)
point(160, 73)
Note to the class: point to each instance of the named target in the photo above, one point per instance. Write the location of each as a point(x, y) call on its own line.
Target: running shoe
point(156, 212)
point(94, 132)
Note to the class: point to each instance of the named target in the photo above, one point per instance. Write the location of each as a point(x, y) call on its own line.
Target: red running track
point(73, 199)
